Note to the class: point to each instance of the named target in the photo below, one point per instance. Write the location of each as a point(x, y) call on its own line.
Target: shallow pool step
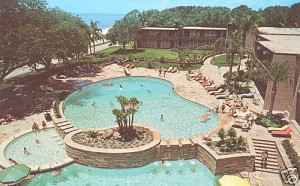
point(66, 127)
point(63, 124)
point(67, 131)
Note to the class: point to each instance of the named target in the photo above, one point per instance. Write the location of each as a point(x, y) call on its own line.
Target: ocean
point(106, 20)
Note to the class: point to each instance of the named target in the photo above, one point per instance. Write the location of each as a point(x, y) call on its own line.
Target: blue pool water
point(175, 173)
point(180, 116)
point(50, 149)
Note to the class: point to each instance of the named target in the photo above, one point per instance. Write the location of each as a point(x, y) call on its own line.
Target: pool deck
point(191, 90)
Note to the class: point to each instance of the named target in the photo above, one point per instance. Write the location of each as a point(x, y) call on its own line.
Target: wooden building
point(190, 37)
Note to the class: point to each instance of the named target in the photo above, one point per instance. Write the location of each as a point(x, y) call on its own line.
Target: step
point(66, 127)
point(262, 141)
point(274, 160)
point(271, 163)
point(70, 130)
point(265, 145)
point(258, 149)
point(63, 124)
point(266, 170)
point(269, 166)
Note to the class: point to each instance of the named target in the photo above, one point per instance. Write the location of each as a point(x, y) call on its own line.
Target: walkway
point(26, 69)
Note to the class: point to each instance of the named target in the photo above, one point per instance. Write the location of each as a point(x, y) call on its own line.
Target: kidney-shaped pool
point(161, 107)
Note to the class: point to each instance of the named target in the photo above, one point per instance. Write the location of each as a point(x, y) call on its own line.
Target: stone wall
point(224, 164)
point(112, 158)
point(176, 149)
point(194, 147)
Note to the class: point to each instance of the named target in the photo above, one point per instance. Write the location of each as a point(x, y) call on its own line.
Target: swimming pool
point(180, 116)
point(183, 172)
point(50, 149)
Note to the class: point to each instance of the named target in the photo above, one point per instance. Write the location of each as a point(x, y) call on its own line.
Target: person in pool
point(25, 151)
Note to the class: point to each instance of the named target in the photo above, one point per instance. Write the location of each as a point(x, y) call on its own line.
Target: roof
point(279, 31)
point(185, 28)
point(158, 28)
point(283, 44)
point(204, 28)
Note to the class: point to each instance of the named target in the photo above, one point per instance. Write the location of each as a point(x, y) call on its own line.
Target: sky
point(125, 6)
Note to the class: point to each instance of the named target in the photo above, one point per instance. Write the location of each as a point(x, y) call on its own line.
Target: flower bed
point(111, 140)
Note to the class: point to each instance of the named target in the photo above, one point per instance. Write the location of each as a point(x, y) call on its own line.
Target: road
point(27, 69)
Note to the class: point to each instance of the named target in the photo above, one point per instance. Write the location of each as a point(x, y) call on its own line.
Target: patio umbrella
point(14, 173)
point(231, 180)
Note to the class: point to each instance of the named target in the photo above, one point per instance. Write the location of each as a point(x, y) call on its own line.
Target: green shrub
point(276, 121)
point(292, 154)
point(236, 88)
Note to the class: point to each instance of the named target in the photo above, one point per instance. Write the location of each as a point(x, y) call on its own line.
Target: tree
point(125, 115)
point(96, 33)
point(231, 133)
point(125, 30)
point(222, 134)
point(275, 16)
point(234, 44)
point(294, 18)
point(274, 72)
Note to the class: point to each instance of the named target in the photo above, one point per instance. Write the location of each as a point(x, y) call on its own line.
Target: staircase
point(261, 145)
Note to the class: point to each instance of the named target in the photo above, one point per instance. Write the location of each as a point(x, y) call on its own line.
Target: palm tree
point(234, 44)
point(274, 72)
point(123, 101)
point(231, 133)
point(222, 134)
point(96, 33)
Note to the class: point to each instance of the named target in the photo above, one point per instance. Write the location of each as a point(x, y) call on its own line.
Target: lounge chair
point(278, 128)
point(241, 114)
point(285, 133)
point(223, 96)
point(169, 69)
point(237, 125)
point(208, 83)
point(131, 66)
point(127, 71)
point(249, 95)
point(222, 93)
point(174, 70)
point(214, 92)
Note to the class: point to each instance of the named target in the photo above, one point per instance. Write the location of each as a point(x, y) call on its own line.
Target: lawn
point(221, 61)
point(157, 65)
point(149, 53)
point(115, 53)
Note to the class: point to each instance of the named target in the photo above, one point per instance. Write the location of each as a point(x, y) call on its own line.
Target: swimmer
point(44, 125)
point(12, 161)
point(94, 104)
point(161, 117)
point(142, 85)
point(37, 141)
point(162, 160)
point(57, 172)
point(25, 151)
point(149, 91)
point(121, 88)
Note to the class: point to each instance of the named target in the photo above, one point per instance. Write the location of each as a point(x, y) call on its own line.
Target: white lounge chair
point(248, 95)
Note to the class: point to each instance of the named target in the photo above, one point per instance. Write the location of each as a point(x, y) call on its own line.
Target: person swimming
point(121, 87)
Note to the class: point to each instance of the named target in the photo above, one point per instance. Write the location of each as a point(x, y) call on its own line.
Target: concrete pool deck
point(191, 90)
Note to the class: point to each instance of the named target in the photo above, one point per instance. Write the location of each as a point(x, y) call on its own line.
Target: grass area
point(116, 53)
point(276, 121)
point(157, 65)
point(221, 61)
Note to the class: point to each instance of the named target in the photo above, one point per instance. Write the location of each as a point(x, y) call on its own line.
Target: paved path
point(27, 69)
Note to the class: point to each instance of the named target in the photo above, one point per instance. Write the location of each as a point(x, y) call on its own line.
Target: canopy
point(14, 173)
point(230, 180)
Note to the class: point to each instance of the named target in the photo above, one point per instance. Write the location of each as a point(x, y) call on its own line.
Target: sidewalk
point(27, 69)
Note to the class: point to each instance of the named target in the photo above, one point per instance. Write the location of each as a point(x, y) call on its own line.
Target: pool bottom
point(182, 172)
